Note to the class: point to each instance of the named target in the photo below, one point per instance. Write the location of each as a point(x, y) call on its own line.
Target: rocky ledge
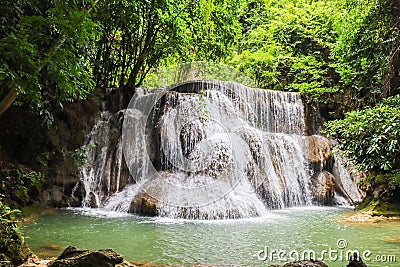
point(362, 217)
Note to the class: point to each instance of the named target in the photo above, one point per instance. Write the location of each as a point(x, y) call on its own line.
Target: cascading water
point(210, 150)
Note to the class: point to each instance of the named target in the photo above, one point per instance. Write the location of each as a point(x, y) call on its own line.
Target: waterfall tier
point(212, 150)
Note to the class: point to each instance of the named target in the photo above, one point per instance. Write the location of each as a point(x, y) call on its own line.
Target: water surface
point(245, 242)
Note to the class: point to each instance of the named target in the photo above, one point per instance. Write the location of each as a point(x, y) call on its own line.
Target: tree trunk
point(391, 75)
point(8, 100)
point(12, 95)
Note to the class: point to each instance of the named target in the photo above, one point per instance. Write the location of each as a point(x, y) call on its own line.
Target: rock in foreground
point(356, 261)
point(12, 246)
point(74, 257)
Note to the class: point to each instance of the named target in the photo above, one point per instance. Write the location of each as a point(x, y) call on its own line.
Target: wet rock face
point(92, 201)
point(323, 189)
point(319, 154)
point(27, 140)
point(67, 135)
point(143, 204)
point(74, 257)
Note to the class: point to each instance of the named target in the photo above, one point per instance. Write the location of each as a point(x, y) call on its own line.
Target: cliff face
point(25, 141)
point(27, 144)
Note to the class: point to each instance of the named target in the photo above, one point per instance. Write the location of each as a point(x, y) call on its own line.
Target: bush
point(19, 185)
point(371, 137)
point(12, 246)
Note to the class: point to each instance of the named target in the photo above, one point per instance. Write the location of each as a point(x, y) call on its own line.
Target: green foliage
point(19, 184)
point(288, 49)
point(79, 155)
point(44, 158)
point(390, 180)
point(7, 215)
point(203, 110)
point(12, 246)
point(368, 36)
point(196, 70)
point(371, 137)
point(335, 51)
point(344, 52)
point(44, 52)
point(140, 35)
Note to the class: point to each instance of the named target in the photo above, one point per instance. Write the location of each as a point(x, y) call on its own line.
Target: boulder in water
point(144, 204)
point(92, 200)
point(356, 261)
point(74, 257)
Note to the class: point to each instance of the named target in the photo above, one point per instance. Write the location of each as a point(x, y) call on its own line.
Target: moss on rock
point(383, 194)
point(12, 245)
point(377, 207)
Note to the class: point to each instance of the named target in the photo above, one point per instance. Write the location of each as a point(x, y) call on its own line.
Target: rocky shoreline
point(363, 217)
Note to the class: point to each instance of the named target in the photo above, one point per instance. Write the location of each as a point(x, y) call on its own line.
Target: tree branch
point(390, 76)
point(8, 100)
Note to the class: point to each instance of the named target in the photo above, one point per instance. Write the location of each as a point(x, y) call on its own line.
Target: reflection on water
point(243, 242)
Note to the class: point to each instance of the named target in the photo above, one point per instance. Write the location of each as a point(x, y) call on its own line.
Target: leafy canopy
point(366, 53)
point(138, 36)
point(286, 46)
point(44, 51)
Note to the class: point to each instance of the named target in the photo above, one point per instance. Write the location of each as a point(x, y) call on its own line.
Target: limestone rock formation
point(143, 204)
point(205, 142)
point(323, 189)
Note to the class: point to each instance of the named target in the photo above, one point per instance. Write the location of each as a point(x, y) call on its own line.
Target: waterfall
point(104, 172)
point(210, 150)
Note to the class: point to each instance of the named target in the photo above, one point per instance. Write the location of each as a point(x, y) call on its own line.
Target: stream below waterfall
point(234, 242)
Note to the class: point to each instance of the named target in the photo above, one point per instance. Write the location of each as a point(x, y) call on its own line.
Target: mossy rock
point(377, 207)
point(74, 257)
point(12, 245)
point(31, 211)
